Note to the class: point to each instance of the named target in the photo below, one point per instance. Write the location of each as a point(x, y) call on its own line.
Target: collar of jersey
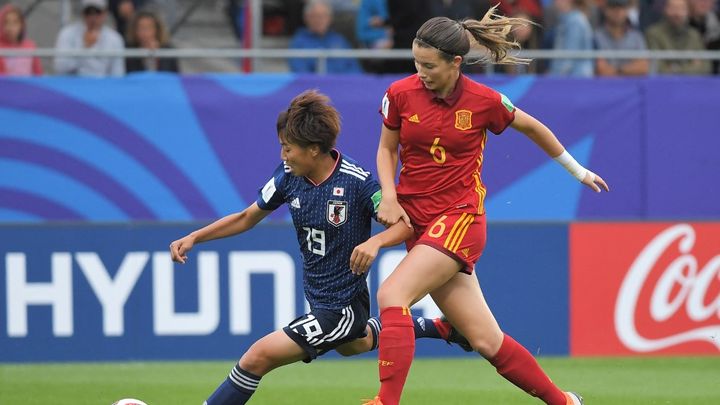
point(338, 155)
point(454, 95)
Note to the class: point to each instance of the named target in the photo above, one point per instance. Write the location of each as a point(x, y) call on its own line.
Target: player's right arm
point(387, 161)
point(365, 253)
point(542, 136)
point(229, 225)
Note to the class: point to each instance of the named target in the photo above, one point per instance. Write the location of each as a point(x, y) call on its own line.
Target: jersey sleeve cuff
point(389, 126)
point(507, 124)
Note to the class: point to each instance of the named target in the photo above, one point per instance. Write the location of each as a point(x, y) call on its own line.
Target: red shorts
point(460, 235)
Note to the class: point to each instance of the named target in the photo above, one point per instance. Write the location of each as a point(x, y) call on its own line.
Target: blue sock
point(236, 389)
point(375, 328)
point(424, 328)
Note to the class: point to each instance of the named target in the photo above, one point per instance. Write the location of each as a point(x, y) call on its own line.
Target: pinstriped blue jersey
point(330, 219)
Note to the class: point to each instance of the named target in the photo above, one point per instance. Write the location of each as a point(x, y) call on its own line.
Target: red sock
point(395, 355)
point(443, 328)
point(519, 367)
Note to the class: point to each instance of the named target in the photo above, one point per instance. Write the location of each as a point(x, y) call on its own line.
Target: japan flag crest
point(337, 212)
point(338, 191)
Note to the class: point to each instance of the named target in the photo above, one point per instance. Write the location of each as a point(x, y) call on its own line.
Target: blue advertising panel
point(111, 292)
point(682, 157)
point(187, 148)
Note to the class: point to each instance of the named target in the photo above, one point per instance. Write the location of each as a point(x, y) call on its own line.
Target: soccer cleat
point(374, 401)
point(573, 398)
point(456, 337)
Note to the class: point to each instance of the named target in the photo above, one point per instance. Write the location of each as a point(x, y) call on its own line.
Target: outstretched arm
point(365, 253)
point(547, 141)
point(229, 225)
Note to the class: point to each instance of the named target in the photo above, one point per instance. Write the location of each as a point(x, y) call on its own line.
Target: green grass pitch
point(462, 381)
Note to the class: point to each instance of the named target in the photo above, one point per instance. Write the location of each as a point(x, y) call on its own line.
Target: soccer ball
point(129, 401)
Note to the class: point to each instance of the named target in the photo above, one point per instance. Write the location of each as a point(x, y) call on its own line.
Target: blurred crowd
point(632, 25)
point(133, 28)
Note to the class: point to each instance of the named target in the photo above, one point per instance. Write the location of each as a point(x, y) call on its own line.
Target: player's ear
point(457, 61)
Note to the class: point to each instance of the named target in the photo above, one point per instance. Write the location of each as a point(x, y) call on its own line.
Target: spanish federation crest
point(337, 212)
point(463, 119)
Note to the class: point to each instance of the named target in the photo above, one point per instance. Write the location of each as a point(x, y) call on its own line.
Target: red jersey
point(442, 142)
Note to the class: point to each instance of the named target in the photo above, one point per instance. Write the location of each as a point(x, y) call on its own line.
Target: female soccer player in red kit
point(440, 118)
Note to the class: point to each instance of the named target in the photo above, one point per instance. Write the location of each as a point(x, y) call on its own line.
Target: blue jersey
point(330, 219)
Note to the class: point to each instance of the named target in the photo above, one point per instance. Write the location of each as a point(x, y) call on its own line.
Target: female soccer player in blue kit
point(332, 201)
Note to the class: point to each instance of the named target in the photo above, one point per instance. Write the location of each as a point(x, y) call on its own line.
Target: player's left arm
point(365, 253)
point(547, 141)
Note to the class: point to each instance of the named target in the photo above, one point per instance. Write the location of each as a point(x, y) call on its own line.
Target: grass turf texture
point(602, 381)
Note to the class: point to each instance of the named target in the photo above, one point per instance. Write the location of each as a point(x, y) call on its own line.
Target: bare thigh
point(424, 269)
point(357, 346)
point(270, 352)
point(463, 303)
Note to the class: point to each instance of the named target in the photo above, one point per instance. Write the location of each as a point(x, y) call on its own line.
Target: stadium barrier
point(322, 55)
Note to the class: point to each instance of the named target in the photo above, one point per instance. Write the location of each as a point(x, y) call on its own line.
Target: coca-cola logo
point(683, 285)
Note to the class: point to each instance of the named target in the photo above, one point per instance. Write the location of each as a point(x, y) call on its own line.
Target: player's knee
point(256, 361)
point(482, 347)
point(486, 344)
point(388, 297)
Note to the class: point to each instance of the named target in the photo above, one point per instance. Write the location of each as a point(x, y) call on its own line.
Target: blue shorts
point(322, 330)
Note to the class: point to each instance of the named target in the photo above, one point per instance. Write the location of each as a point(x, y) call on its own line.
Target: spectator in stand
point(616, 33)
point(12, 36)
point(373, 31)
point(123, 11)
point(317, 15)
point(674, 32)
point(705, 17)
point(92, 34)
point(147, 31)
point(573, 32)
point(371, 25)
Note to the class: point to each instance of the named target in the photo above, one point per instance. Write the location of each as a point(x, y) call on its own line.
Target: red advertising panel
point(645, 288)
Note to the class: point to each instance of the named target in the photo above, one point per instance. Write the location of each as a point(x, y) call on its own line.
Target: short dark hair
point(281, 122)
point(310, 120)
